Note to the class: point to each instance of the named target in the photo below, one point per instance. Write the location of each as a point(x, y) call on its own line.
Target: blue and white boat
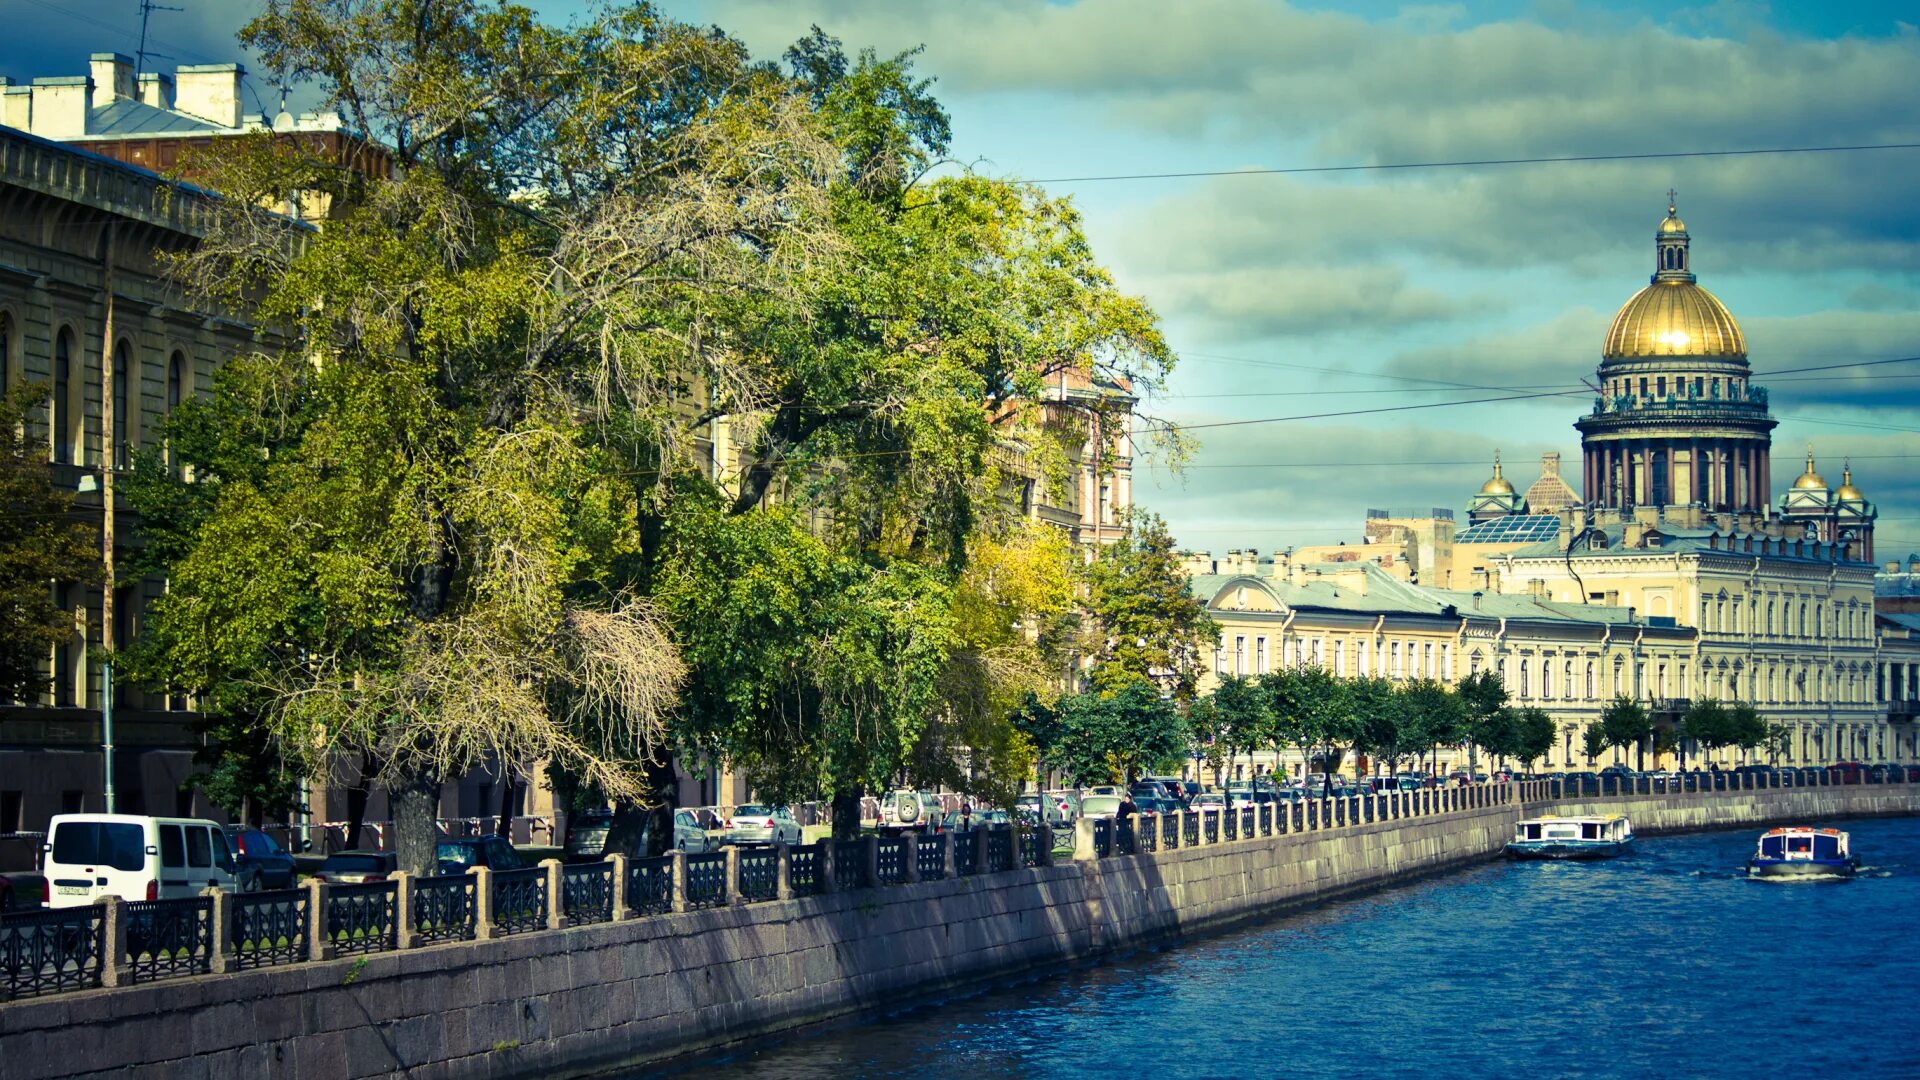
point(1599, 837)
point(1802, 852)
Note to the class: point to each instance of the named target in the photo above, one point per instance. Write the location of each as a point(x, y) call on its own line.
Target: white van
point(135, 858)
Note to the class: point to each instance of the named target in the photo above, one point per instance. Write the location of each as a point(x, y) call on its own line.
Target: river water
point(1664, 963)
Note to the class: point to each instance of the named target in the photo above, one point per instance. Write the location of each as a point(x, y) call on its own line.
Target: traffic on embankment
point(598, 967)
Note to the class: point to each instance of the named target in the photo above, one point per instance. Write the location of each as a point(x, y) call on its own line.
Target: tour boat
point(1600, 837)
point(1802, 852)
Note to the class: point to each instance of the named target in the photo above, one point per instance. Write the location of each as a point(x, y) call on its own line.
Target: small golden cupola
point(1497, 485)
point(1810, 480)
point(1847, 491)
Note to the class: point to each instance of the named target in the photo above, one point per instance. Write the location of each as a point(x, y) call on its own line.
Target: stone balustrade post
point(621, 909)
point(978, 838)
point(404, 935)
point(732, 896)
point(556, 893)
point(947, 860)
point(912, 857)
point(782, 871)
point(870, 859)
point(483, 925)
point(679, 880)
point(823, 865)
point(319, 942)
point(220, 926)
point(1083, 840)
point(116, 967)
point(1044, 847)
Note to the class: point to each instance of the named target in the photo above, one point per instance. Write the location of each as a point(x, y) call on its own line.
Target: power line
point(1299, 170)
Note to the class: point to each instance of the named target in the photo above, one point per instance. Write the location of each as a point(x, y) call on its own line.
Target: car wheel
point(252, 883)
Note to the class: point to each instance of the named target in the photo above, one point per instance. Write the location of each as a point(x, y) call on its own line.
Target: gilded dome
point(1674, 318)
point(1498, 484)
point(1810, 480)
point(1847, 490)
point(1673, 224)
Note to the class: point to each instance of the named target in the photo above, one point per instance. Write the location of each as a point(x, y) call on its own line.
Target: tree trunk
point(416, 833)
point(357, 805)
point(507, 793)
point(846, 814)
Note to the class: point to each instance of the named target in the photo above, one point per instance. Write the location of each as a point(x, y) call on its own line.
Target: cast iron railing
point(1189, 829)
point(444, 907)
point(849, 864)
point(1146, 836)
point(1126, 838)
point(362, 918)
point(520, 900)
point(46, 952)
point(650, 885)
point(966, 857)
point(1246, 822)
point(803, 870)
point(999, 849)
point(1170, 829)
point(1210, 824)
point(1230, 824)
point(891, 868)
point(759, 873)
point(707, 879)
point(931, 857)
point(166, 938)
point(1102, 837)
point(1030, 853)
point(269, 928)
point(586, 893)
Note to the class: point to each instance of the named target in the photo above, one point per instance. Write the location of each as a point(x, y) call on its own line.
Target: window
point(199, 851)
point(6, 352)
point(62, 407)
point(122, 368)
point(176, 374)
point(63, 657)
point(173, 850)
point(11, 817)
point(1526, 688)
point(72, 801)
point(1260, 654)
point(99, 843)
point(1240, 655)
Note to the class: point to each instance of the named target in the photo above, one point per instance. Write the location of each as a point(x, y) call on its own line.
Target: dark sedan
point(492, 852)
point(258, 862)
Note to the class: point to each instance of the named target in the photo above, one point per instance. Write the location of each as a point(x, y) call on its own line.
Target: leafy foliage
point(1147, 622)
point(42, 539)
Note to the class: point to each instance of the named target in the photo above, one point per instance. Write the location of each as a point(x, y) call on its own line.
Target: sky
point(1294, 296)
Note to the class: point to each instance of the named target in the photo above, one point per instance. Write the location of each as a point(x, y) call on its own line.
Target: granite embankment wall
point(604, 998)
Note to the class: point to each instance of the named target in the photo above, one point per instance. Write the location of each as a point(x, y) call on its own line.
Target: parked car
point(9, 900)
point(1068, 800)
point(457, 856)
point(912, 810)
point(1209, 802)
point(88, 856)
point(1041, 809)
point(356, 867)
point(1101, 806)
point(258, 862)
point(1580, 781)
point(587, 834)
point(758, 824)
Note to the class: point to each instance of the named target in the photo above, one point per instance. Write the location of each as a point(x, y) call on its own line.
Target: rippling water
point(1667, 962)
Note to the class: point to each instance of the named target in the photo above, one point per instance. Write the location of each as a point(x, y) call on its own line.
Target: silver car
point(754, 824)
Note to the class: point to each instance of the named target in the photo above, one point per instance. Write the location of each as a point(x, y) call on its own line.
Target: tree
point(1432, 715)
point(1312, 711)
point(1593, 741)
point(1624, 722)
point(1109, 736)
point(1240, 718)
point(1482, 695)
point(1146, 621)
point(42, 539)
point(1745, 727)
point(1536, 735)
point(1706, 724)
point(1376, 724)
point(1779, 741)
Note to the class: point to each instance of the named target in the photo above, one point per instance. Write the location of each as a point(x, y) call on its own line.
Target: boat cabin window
point(1771, 847)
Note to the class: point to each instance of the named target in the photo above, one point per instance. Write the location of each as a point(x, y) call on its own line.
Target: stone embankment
point(598, 999)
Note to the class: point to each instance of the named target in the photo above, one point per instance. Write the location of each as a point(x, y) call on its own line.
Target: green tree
point(1376, 724)
point(1746, 728)
point(1432, 715)
point(1535, 736)
point(1312, 711)
point(1241, 719)
point(1482, 695)
point(42, 539)
point(1147, 624)
point(1593, 741)
point(1779, 741)
point(1109, 736)
point(1625, 722)
point(1706, 724)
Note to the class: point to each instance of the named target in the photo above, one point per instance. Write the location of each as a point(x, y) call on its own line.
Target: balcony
point(1902, 712)
point(1675, 706)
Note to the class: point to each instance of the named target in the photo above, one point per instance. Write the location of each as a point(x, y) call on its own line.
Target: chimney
point(112, 77)
point(59, 108)
point(1550, 464)
point(156, 90)
point(210, 92)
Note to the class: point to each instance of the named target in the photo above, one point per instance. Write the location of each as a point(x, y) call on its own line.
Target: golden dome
point(1674, 318)
point(1810, 480)
point(1673, 224)
point(1498, 485)
point(1847, 490)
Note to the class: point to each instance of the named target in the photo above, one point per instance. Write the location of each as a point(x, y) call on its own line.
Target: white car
point(1100, 806)
point(1041, 809)
point(756, 824)
point(689, 835)
point(133, 857)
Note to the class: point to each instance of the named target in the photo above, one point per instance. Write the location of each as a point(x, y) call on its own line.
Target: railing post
point(116, 967)
point(679, 880)
point(912, 857)
point(483, 927)
point(978, 838)
point(732, 896)
point(1083, 840)
point(621, 910)
point(823, 865)
point(556, 899)
point(1043, 846)
point(947, 860)
point(319, 944)
point(870, 858)
point(782, 871)
point(220, 948)
point(403, 932)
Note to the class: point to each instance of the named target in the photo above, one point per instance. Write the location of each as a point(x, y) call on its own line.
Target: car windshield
point(458, 854)
point(99, 843)
point(358, 863)
point(1100, 804)
point(752, 811)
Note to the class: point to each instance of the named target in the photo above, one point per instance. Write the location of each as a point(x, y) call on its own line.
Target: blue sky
point(1295, 295)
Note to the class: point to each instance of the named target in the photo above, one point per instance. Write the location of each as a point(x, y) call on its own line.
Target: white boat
point(1599, 837)
point(1803, 852)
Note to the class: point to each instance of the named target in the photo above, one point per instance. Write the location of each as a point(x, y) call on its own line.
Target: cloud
point(1293, 300)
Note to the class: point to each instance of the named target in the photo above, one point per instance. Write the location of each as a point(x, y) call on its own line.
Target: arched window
point(6, 352)
point(123, 424)
point(176, 375)
point(1525, 689)
point(1590, 676)
point(62, 392)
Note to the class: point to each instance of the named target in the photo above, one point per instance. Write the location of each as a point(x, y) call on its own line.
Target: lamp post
point(88, 485)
